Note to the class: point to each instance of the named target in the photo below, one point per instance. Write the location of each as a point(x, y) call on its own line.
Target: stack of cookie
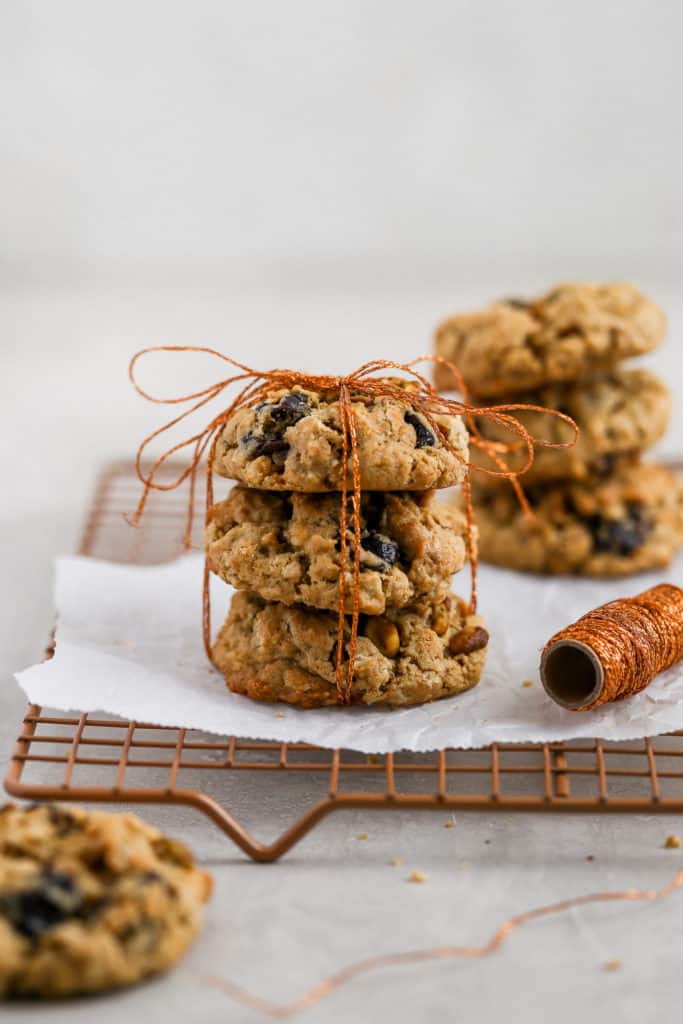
point(600, 509)
point(276, 540)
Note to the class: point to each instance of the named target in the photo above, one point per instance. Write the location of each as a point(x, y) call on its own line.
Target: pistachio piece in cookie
point(384, 635)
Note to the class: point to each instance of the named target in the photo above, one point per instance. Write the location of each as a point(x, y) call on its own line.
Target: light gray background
point(316, 184)
point(196, 141)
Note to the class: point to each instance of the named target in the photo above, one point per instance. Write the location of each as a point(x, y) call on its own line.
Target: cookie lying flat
point(91, 901)
point(274, 653)
point(626, 522)
point(621, 412)
point(572, 331)
point(285, 547)
point(293, 441)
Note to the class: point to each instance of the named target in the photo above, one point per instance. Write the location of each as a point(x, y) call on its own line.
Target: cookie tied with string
point(284, 546)
point(293, 440)
point(270, 652)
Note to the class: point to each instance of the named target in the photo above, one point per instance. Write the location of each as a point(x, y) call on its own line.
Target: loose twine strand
point(634, 639)
point(280, 1011)
point(255, 386)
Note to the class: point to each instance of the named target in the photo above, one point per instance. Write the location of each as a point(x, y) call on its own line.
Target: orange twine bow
point(361, 381)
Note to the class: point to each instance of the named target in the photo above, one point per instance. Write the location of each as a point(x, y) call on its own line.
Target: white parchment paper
point(129, 643)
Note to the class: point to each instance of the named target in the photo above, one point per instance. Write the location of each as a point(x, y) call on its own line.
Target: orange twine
point(361, 381)
point(280, 1011)
point(633, 639)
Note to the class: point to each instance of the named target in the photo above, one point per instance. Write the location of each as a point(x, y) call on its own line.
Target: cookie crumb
point(673, 842)
point(396, 861)
point(450, 823)
point(613, 965)
point(417, 876)
point(362, 835)
point(527, 682)
point(280, 714)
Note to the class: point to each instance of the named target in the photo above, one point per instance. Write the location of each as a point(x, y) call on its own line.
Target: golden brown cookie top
point(90, 900)
point(293, 440)
point(570, 332)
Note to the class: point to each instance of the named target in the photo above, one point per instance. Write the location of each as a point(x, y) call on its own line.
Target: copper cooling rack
point(104, 759)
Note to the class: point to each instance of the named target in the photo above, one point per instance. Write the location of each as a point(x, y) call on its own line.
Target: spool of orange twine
point(254, 385)
point(616, 650)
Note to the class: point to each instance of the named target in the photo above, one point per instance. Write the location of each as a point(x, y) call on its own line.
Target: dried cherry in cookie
point(290, 409)
point(621, 536)
point(377, 544)
point(53, 899)
point(268, 444)
point(272, 421)
point(424, 438)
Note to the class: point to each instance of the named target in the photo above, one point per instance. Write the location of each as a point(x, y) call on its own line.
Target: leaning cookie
point(621, 412)
point(91, 901)
point(285, 547)
point(293, 441)
point(272, 652)
point(572, 331)
point(624, 523)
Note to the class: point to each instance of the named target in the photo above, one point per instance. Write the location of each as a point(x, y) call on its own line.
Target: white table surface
point(66, 409)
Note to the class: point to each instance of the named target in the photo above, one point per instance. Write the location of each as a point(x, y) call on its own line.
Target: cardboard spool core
point(571, 674)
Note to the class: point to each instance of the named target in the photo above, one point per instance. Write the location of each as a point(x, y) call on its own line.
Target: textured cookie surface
point(285, 547)
point(272, 652)
point(621, 412)
point(572, 331)
point(91, 900)
point(628, 521)
point(293, 441)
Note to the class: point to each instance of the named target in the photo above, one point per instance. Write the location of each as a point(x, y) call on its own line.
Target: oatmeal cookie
point(625, 522)
point(91, 900)
point(285, 547)
point(272, 652)
point(293, 441)
point(622, 412)
point(572, 331)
